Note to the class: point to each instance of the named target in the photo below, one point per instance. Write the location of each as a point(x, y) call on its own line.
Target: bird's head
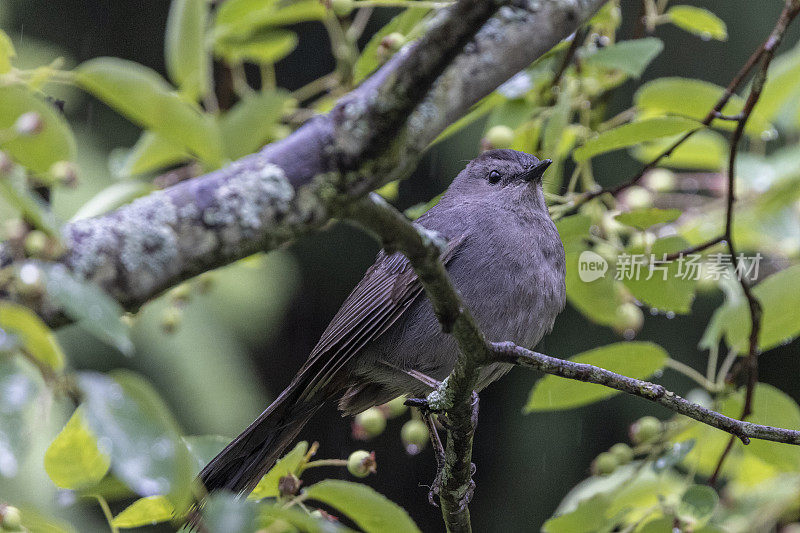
point(506, 176)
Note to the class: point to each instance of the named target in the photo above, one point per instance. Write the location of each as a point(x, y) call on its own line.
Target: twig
point(510, 353)
point(767, 52)
point(577, 38)
point(694, 249)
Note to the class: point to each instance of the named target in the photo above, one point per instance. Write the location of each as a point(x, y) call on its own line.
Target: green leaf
point(705, 150)
point(73, 460)
point(646, 217)
point(371, 511)
point(694, 99)
point(699, 21)
point(19, 393)
point(87, 304)
point(204, 448)
point(632, 134)
point(781, 87)
point(268, 486)
point(597, 299)
point(145, 98)
point(150, 153)
point(143, 440)
point(38, 151)
point(269, 514)
point(779, 295)
point(674, 455)
point(239, 18)
point(15, 191)
point(404, 23)
point(32, 333)
point(251, 123)
point(588, 517)
point(184, 46)
point(771, 407)
point(559, 119)
point(671, 285)
point(574, 230)
point(633, 359)
point(631, 57)
point(145, 512)
point(264, 47)
point(698, 503)
point(7, 52)
point(225, 513)
point(112, 197)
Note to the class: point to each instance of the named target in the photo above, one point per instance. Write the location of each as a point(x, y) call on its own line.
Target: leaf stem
point(107, 512)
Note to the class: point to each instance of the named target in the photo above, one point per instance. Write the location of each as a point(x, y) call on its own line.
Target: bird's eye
point(494, 176)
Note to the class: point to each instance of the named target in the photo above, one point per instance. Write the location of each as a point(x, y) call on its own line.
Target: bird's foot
point(464, 501)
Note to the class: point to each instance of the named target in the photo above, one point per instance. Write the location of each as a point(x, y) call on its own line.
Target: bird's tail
point(239, 467)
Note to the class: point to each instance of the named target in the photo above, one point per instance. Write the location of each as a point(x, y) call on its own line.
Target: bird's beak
point(536, 172)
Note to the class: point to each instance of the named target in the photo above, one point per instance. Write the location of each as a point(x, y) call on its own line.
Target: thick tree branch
point(510, 353)
point(267, 199)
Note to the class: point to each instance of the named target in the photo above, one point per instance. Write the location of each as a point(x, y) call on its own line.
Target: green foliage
point(287, 465)
point(404, 24)
point(661, 285)
point(145, 512)
point(699, 21)
point(185, 48)
point(32, 335)
point(19, 391)
point(632, 134)
point(631, 57)
point(372, 512)
point(646, 217)
point(634, 359)
point(73, 460)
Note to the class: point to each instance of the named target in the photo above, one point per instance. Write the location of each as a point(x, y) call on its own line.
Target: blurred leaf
point(371, 511)
point(705, 150)
point(698, 503)
point(32, 333)
point(184, 46)
point(666, 290)
point(203, 448)
point(112, 197)
point(416, 211)
point(87, 304)
point(638, 360)
point(239, 18)
point(694, 99)
point(134, 425)
point(646, 217)
point(779, 295)
point(249, 124)
point(574, 230)
point(35, 151)
point(264, 47)
point(269, 514)
point(35, 522)
point(73, 460)
point(390, 191)
point(674, 455)
point(781, 87)
point(15, 191)
point(588, 517)
point(699, 21)
point(152, 152)
point(224, 512)
point(597, 300)
point(145, 512)
point(145, 98)
point(631, 57)
point(7, 52)
point(477, 111)
point(771, 407)
point(268, 486)
point(403, 23)
point(560, 115)
point(18, 395)
point(632, 134)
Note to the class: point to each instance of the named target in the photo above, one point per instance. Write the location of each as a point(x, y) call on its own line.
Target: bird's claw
point(436, 488)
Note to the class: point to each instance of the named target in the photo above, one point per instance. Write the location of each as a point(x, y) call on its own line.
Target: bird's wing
point(387, 290)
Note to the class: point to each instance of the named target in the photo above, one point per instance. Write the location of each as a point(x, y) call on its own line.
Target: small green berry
point(660, 179)
point(629, 320)
point(36, 243)
point(181, 294)
point(65, 172)
point(637, 197)
point(395, 407)
point(646, 429)
point(500, 137)
point(361, 463)
point(371, 422)
point(11, 519)
point(414, 435)
point(622, 452)
point(342, 8)
point(604, 464)
point(171, 319)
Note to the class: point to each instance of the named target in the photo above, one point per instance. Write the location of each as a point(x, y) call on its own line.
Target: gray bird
point(504, 256)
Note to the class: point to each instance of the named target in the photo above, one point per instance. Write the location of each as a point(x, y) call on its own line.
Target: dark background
point(242, 342)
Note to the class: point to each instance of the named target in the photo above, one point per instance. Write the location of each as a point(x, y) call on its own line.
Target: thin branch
point(510, 353)
point(694, 249)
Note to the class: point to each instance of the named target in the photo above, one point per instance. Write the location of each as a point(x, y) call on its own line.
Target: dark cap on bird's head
point(503, 174)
